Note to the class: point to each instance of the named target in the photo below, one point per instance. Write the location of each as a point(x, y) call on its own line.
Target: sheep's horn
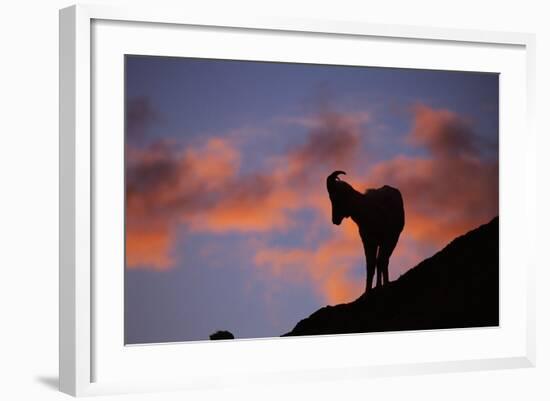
point(334, 177)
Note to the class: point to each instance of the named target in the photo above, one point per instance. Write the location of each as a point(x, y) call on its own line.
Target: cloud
point(149, 245)
point(254, 203)
point(140, 113)
point(333, 141)
point(327, 267)
point(165, 185)
point(449, 188)
point(202, 188)
point(442, 132)
point(162, 179)
point(265, 201)
point(452, 189)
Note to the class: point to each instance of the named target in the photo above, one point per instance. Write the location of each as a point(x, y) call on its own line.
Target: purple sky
point(228, 220)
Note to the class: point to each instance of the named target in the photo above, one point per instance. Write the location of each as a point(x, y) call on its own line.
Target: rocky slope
point(456, 287)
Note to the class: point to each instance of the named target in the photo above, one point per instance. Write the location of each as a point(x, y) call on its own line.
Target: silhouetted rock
point(222, 335)
point(456, 287)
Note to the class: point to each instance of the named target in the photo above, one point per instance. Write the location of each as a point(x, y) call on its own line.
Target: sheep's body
point(382, 214)
point(380, 217)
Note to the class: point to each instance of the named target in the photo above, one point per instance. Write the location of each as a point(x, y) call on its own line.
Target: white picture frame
point(80, 348)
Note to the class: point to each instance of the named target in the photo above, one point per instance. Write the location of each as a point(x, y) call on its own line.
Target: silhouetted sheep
point(380, 217)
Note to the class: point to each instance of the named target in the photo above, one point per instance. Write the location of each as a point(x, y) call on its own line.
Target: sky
point(228, 220)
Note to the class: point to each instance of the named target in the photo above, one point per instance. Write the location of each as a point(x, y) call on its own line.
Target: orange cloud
point(201, 188)
point(254, 203)
point(213, 164)
point(166, 185)
point(327, 267)
point(450, 189)
point(443, 132)
point(447, 192)
point(265, 201)
point(149, 248)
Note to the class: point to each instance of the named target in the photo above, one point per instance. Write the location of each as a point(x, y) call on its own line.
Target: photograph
point(272, 199)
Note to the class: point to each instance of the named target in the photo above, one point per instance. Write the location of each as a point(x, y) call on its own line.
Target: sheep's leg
point(385, 272)
point(379, 271)
point(382, 265)
point(383, 261)
point(370, 256)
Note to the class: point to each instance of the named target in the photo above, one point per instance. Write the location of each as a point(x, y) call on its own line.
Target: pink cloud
point(451, 190)
point(202, 188)
point(448, 190)
point(326, 267)
point(166, 185)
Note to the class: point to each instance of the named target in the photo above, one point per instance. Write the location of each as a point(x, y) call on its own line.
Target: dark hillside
point(456, 287)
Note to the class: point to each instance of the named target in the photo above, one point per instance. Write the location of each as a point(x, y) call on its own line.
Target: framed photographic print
point(354, 198)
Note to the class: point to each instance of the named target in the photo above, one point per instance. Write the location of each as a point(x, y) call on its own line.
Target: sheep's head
point(338, 192)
